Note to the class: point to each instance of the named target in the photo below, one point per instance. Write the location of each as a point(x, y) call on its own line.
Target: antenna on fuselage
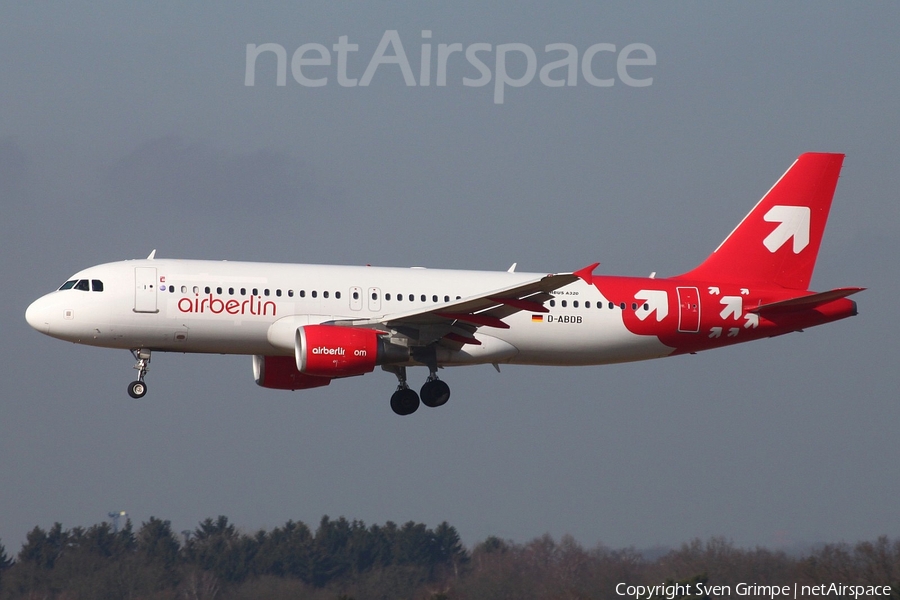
point(512, 269)
point(152, 255)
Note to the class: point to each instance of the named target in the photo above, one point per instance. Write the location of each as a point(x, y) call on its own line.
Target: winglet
point(587, 274)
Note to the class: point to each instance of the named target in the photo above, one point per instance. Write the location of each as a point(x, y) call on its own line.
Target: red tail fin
point(777, 243)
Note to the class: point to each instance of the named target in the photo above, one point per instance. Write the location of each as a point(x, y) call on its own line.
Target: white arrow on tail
point(714, 290)
point(715, 332)
point(656, 300)
point(752, 321)
point(734, 331)
point(793, 223)
point(745, 291)
point(734, 306)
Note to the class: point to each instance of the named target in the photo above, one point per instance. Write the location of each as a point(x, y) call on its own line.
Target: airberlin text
point(339, 351)
point(670, 591)
point(251, 306)
point(601, 64)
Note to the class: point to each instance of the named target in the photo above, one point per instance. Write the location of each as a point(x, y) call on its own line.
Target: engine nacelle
point(280, 373)
point(336, 351)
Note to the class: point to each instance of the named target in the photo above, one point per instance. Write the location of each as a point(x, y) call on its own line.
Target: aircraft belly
point(186, 336)
point(581, 339)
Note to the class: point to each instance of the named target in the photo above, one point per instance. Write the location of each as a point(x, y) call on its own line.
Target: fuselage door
point(145, 290)
point(688, 310)
point(356, 301)
point(375, 299)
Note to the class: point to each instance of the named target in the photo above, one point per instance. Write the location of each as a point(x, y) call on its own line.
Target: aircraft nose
point(37, 315)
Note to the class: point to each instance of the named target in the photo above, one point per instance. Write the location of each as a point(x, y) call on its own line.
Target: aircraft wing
point(454, 323)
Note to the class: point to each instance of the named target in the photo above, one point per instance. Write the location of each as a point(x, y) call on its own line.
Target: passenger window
point(422, 297)
point(255, 292)
point(386, 296)
point(324, 294)
point(646, 307)
point(634, 306)
point(218, 290)
point(83, 285)
point(374, 296)
point(96, 285)
point(337, 295)
point(587, 304)
point(231, 291)
point(356, 296)
point(575, 303)
point(278, 293)
point(243, 291)
point(184, 289)
point(303, 293)
point(434, 298)
point(622, 306)
point(411, 298)
point(399, 297)
point(446, 298)
point(611, 305)
point(315, 294)
point(266, 292)
point(290, 293)
point(553, 303)
point(172, 289)
point(563, 303)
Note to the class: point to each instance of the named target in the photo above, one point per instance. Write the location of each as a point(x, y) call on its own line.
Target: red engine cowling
point(335, 351)
point(280, 373)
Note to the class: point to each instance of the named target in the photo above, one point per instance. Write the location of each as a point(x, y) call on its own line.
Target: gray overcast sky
point(128, 128)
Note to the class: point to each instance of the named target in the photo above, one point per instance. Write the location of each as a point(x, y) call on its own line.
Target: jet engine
point(337, 351)
point(280, 373)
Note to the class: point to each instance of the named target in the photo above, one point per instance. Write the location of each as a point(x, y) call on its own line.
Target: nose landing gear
point(137, 389)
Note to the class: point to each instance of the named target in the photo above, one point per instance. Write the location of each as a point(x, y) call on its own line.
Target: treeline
point(345, 560)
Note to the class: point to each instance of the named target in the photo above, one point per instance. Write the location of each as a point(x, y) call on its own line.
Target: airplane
point(307, 325)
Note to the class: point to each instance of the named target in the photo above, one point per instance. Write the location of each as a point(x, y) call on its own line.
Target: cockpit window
point(96, 285)
point(68, 285)
point(84, 285)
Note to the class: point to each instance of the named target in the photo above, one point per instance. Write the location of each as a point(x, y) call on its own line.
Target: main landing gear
point(137, 389)
point(406, 401)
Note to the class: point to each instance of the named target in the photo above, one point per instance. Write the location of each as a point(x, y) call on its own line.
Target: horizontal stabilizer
point(806, 302)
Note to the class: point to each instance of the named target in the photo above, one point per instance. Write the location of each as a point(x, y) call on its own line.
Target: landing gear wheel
point(404, 402)
point(435, 393)
point(137, 389)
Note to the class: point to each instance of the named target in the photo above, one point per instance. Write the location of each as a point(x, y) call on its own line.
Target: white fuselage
point(255, 308)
